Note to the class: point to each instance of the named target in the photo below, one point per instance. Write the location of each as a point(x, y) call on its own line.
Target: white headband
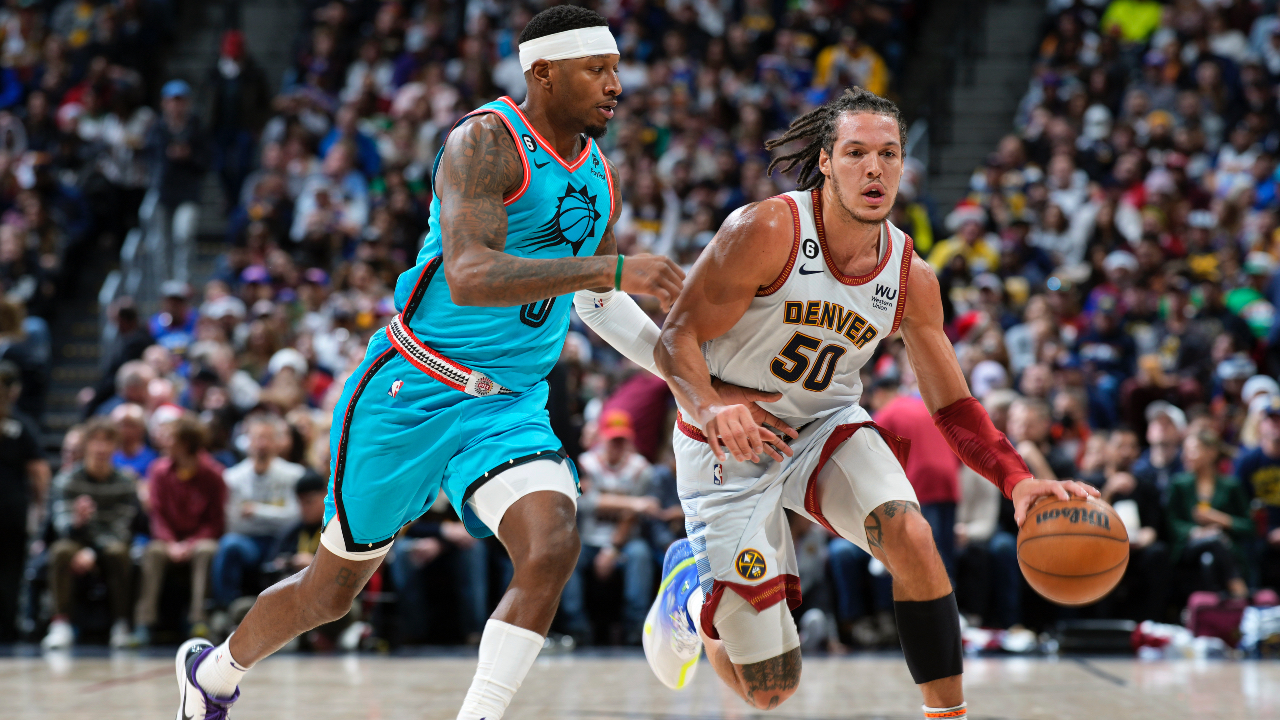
point(583, 42)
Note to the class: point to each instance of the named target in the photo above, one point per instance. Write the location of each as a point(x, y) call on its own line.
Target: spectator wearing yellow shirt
point(850, 62)
point(980, 250)
point(1134, 19)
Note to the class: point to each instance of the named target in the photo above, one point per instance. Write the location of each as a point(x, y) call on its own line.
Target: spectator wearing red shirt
point(188, 515)
point(934, 471)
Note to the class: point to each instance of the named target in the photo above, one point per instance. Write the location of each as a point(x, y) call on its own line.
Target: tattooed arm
point(480, 166)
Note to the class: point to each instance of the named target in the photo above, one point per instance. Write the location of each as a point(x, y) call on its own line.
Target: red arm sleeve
point(969, 432)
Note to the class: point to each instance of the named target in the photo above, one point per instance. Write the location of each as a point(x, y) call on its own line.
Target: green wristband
point(617, 274)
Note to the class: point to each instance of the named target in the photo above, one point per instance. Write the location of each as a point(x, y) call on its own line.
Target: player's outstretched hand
point(654, 275)
point(1028, 491)
point(738, 395)
point(740, 435)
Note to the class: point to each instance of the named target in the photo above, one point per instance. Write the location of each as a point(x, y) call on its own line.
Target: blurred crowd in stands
point(1108, 283)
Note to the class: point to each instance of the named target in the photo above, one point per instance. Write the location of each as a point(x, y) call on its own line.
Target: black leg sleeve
point(930, 635)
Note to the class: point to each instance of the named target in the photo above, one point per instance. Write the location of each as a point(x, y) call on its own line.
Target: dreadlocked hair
point(818, 126)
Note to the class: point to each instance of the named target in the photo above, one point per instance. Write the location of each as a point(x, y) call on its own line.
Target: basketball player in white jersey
point(792, 297)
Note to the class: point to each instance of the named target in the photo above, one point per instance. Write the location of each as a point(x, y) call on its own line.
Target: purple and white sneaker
point(196, 703)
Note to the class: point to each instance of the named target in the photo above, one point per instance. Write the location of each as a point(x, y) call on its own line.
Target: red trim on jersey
point(404, 353)
point(776, 285)
point(900, 446)
point(515, 137)
point(690, 431)
point(571, 167)
point(822, 240)
point(762, 596)
point(609, 181)
point(907, 253)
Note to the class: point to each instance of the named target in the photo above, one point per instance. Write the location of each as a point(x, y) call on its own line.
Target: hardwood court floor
point(585, 687)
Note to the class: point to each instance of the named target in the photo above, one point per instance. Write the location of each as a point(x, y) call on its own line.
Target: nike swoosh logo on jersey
point(806, 271)
point(535, 164)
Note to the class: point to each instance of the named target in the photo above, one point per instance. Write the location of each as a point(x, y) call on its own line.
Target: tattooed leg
point(319, 594)
point(901, 538)
point(766, 684)
point(763, 685)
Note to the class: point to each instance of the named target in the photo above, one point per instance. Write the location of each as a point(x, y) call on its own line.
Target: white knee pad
point(752, 636)
point(490, 501)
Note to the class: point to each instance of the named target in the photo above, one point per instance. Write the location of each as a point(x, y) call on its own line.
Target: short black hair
point(560, 19)
point(310, 482)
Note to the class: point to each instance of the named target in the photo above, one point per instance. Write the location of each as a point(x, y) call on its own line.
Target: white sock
point(959, 712)
point(219, 674)
point(694, 606)
point(506, 654)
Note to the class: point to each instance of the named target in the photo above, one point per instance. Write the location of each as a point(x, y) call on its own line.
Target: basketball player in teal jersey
point(451, 396)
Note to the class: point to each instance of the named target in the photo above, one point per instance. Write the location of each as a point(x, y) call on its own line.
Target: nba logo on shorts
point(395, 388)
point(717, 474)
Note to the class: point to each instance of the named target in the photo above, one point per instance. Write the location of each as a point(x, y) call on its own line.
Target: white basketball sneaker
point(670, 640)
point(196, 703)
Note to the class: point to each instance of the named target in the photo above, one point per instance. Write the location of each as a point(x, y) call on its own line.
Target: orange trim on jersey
point(900, 446)
point(777, 284)
point(907, 253)
point(515, 137)
point(690, 431)
point(571, 167)
point(762, 596)
point(822, 240)
point(608, 181)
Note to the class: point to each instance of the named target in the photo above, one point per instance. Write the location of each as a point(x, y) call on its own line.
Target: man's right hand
point(179, 552)
point(83, 561)
point(654, 275)
point(83, 510)
point(733, 427)
point(424, 550)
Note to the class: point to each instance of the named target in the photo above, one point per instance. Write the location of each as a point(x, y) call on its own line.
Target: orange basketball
point(1073, 552)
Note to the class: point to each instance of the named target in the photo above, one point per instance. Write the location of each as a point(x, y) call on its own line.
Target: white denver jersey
point(809, 333)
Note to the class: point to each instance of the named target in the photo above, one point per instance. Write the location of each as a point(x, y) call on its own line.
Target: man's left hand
point(737, 395)
point(1028, 491)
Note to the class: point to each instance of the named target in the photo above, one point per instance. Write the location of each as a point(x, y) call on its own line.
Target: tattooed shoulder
point(480, 159)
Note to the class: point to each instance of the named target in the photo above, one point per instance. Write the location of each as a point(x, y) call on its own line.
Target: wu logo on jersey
point(887, 293)
point(574, 221)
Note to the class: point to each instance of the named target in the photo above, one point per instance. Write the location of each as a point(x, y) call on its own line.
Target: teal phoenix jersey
point(560, 210)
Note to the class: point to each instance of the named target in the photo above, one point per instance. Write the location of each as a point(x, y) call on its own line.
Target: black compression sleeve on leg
point(930, 635)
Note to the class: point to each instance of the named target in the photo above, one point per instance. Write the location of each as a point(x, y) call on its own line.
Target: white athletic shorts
point(489, 502)
point(843, 467)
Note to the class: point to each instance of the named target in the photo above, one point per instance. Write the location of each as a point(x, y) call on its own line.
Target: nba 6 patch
point(751, 565)
point(395, 388)
point(717, 474)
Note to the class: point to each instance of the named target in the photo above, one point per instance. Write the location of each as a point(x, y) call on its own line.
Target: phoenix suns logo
point(573, 224)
